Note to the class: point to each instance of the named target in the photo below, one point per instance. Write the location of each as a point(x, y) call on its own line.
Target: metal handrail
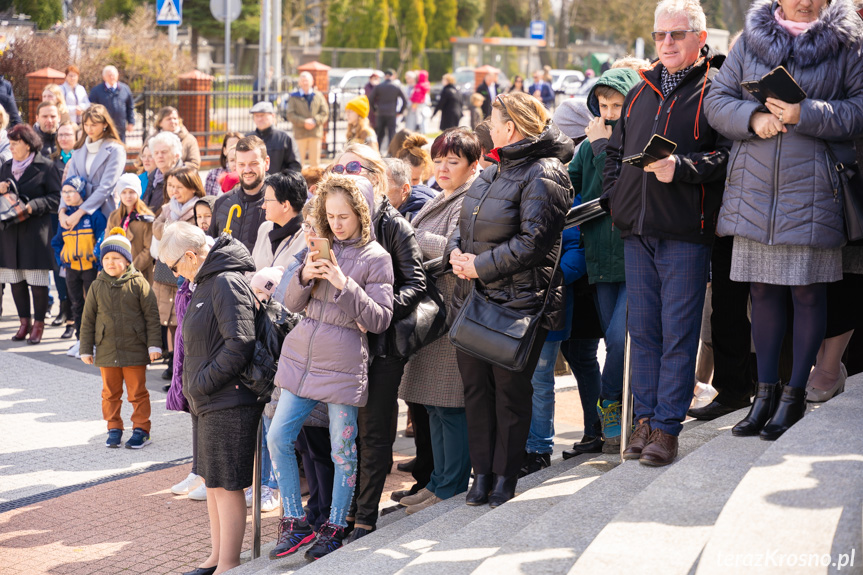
point(628, 400)
point(256, 494)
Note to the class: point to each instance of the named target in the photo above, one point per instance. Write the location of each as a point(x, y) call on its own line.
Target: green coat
point(603, 247)
point(299, 110)
point(122, 319)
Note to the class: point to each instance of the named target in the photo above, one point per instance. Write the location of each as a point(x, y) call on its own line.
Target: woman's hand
point(786, 113)
point(155, 356)
point(663, 169)
point(88, 359)
point(766, 125)
point(331, 272)
point(72, 221)
point(463, 266)
point(311, 269)
point(4, 187)
point(29, 210)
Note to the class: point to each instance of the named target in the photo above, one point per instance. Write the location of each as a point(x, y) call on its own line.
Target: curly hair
point(347, 186)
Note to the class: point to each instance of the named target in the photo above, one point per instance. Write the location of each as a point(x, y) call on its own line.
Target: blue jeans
point(267, 476)
point(541, 437)
point(448, 426)
point(284, 429)
point(666, 282)
point(611, 304)
point(580, 354)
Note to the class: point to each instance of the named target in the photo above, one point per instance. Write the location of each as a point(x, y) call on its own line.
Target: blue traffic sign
point(169, 12)
point(537, 30)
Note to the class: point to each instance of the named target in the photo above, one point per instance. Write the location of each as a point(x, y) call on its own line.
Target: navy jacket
point(420, 194)
point(120, 105)
point(7, 100)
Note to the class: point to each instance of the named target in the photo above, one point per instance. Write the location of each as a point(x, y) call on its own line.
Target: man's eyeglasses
point(352, 168)
point(676, 35)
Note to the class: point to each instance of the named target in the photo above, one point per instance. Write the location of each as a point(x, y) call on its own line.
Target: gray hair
point(399, 171)
point(690, 8)
point(169, 139)
point(180, 237)
point(110, 69)
point(307, 75)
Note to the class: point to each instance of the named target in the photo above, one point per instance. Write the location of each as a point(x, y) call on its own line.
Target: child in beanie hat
point(265, 282)
point(123, 305)
point(360, 105)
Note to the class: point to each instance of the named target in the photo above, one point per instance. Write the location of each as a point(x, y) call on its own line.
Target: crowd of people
point(439, 271)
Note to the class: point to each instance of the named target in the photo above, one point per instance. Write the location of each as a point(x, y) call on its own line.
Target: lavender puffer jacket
point(326, 356)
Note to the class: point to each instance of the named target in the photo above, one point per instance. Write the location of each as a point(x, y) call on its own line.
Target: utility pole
point(276, 40)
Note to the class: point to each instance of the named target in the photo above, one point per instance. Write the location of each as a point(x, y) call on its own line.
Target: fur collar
point(838, 28)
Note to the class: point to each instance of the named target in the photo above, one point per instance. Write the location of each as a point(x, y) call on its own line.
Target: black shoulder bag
point(851, 188)
point(494, 333)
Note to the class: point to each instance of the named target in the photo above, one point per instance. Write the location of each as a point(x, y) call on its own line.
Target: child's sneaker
point(115, 436)
point(139, 439)
point(187, 485)
point(199, 493)
point(73, 351)
point(329, 539)
point(270, 500)
point(248, 496)
point(293, 534)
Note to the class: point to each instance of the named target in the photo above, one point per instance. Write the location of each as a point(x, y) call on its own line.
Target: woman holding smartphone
point(345, 287)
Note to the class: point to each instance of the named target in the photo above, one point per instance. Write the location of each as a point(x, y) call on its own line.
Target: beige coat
point(299, 110)
point(263, 254)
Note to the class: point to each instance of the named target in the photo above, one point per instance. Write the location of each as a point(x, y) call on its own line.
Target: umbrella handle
point(239, 210)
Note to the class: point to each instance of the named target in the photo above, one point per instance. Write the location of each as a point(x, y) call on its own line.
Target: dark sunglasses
point(176, 263)
point(352, 168)
point(676, 35)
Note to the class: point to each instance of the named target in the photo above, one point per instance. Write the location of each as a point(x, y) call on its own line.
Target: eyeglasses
point(307, 227)
point(502, 103)
point(176, 263)
point(352, 168)
point(69, 192)
point(676, 35)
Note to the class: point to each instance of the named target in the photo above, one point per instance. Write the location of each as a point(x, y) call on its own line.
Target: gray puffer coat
point(783, 190)
point(326, 357)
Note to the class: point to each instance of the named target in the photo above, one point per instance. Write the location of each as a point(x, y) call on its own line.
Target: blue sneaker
point(139, 439)
point(609, 415)
point(115, 436)
point(329, 539)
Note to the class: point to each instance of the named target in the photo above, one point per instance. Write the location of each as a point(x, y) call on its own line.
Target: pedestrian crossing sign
point(169, 12)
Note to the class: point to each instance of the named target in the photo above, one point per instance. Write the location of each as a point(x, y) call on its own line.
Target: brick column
point(194, 109)
point(36, 82)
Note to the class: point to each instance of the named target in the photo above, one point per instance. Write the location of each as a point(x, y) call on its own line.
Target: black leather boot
point(478, 494)
point(503, 490)
point(792, 407)
point(65, 313)
point(763, 408)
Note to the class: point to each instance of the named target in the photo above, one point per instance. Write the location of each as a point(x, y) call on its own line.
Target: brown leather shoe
point(36, 332)
point(638, 440)
point(660, 450)
point(23, 329)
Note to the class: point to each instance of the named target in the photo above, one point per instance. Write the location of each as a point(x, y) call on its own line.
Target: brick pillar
point(36, 82)
point(194, 109)
point(320, 73)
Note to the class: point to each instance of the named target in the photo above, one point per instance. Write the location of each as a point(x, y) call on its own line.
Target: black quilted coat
point(518, 226)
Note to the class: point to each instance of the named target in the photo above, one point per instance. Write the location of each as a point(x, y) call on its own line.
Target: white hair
point(307, 75)
point(690, 8)
point(110, 68)
point(410, 74)
point(399, 171)
point(169, 139)
point(180, 237)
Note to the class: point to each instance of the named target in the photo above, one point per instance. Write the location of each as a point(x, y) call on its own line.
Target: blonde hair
point(449, 79)
point(632, 63)
point(360, 131)
point(4, 118)
point(526, 112)
point(376, 169)
point(476, 99)
point(62, 109)
point(414, 153)
point(334, 184)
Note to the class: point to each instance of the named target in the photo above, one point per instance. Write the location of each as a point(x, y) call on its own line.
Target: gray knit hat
point(572, 117)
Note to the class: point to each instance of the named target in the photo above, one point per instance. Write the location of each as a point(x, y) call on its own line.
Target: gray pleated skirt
point(226, 446)
point(753, 261)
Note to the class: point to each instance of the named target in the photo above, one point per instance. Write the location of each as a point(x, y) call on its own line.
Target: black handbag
point(851, 188)
point(493, 333)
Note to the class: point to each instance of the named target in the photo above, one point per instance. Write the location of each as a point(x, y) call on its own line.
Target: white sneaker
point(248, 496)
point(271, 502)
point(73, 351)
point(186, 485)
point(199, 493)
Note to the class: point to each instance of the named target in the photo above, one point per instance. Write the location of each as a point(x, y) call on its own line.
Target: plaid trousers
point(666, 282)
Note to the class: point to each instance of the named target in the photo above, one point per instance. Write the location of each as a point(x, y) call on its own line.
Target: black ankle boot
point(763, 408)
point(792, 406)
point(503, 490)
point(478, 494)
point(65, 313)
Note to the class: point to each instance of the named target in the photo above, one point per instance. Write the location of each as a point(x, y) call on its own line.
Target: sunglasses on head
point(352, 168)
point(676, 35)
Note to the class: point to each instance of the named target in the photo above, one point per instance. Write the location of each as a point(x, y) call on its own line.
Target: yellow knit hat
point(360, 105)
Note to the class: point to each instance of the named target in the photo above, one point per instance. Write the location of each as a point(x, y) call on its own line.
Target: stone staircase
point(727, 505)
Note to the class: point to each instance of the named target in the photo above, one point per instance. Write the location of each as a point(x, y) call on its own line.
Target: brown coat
point(140, 234)
point(432, 376)
point(299, 110)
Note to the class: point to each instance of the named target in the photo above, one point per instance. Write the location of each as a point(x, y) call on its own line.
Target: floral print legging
point(291, 413)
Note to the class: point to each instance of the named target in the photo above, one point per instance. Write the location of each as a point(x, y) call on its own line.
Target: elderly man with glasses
point(666, 212)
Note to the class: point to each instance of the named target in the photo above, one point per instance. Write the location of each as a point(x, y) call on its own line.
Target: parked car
point(565, 79)
point(581, 92)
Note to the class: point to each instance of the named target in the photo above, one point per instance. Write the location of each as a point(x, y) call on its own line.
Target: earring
point(105, 129)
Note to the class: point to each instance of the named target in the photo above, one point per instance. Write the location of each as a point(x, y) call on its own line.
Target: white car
point(563, 80)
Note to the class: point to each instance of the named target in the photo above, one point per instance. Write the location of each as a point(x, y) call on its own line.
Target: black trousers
point(424, 464)
point(499, 405)
point(313, 444)
point(77, 286)
point(375, 439)
point(730, 330)
point(385, 125)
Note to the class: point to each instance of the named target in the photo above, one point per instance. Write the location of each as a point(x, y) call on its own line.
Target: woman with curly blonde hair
point(345, 286)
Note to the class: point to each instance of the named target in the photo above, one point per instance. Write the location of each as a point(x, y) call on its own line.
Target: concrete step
point(800, 506)
point(553, 541)
point(666, 526)
point(405, 540)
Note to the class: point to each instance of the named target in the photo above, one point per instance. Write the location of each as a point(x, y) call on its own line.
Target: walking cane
point(626, 423)
point(256, 467)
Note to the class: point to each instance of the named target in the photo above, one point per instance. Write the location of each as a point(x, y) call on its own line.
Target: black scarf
point(279, 233)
